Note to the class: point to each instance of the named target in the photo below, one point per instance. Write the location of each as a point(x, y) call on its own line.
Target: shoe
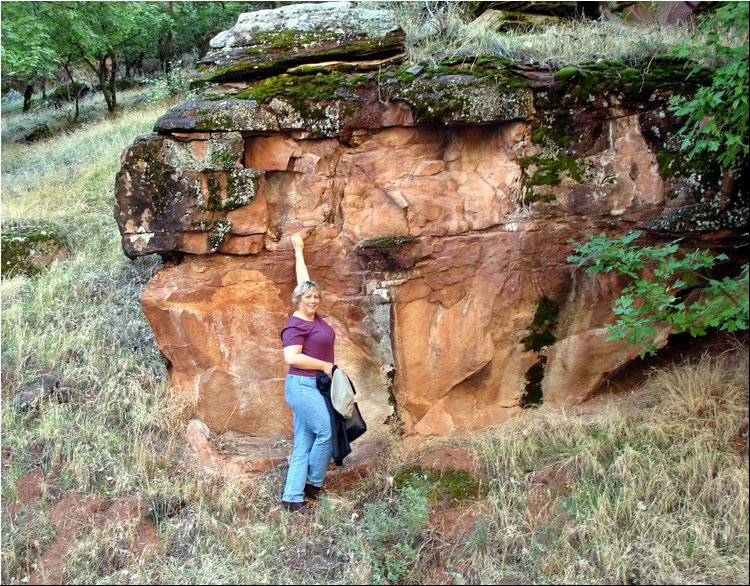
point(312, 491)
point(301, 507)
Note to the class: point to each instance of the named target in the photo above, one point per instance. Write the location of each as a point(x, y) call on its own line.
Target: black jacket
point(341, 447)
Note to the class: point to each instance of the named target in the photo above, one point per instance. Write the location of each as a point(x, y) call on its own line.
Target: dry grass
point(445, 31)
point(659, 493)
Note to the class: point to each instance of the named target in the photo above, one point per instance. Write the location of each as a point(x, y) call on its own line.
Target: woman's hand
point(300, 267)
point(294, 357)
point(297, 242)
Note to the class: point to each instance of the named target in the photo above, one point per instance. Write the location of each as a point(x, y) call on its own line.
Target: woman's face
point(308, 303)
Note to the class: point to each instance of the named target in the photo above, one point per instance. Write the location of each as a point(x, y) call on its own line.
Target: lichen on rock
point(29, 247)
point(171, 188)
point(267, 42)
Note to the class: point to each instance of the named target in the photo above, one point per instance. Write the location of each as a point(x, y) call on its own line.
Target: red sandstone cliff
point(439, 205)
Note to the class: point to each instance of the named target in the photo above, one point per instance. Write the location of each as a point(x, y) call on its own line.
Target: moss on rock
point(302, 90)
point(454, 94)
point(552, 130)
point(275, 51)
point(541, 330)
point(674, 163)
point(541, 335)
point(566, 73)
point(632, 81)
point(220, 229)
point(227, 191)
point(156, 173)
point(444, 484)
point(392, 242)
point(31, 246)
point(704, 217)
point(546, 170)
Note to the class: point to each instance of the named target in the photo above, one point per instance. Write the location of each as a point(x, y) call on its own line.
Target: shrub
point(391, 528)
point(717, 115)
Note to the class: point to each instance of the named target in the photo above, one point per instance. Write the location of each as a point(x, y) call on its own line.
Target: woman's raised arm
point(299, 258)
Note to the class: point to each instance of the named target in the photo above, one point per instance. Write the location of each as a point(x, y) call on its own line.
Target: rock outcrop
point(438, 205)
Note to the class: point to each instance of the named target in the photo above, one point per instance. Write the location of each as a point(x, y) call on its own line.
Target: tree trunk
point(113, 80)
point(106, 72)
point(203, 45)
point(134, 66)
point(101, 74)
point(78, 92)
point(168, 57)
point(106, 77)
point(27, 97)
point(168, 47)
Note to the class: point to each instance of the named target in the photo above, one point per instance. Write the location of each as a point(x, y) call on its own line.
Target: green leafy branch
point(662, 276)
point(717, 115)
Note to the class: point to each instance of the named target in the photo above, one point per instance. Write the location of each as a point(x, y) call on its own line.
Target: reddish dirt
point(453, 458)
point(546, 487)
point(78, 514)
point(28, 490)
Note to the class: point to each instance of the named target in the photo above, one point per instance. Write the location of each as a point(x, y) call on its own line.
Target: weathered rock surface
point(32, 392)
point(218, 323)
point(270, 41)
point(438, 206)
point(29, 248)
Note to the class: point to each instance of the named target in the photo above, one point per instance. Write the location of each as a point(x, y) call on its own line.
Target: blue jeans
point(313, 445)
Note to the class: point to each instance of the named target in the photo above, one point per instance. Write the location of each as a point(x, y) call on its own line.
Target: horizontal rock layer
point(269, 41)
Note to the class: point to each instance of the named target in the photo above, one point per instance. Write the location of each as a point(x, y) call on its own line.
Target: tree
point(184, 26)
point(196, 23)
point(97, 33)
point(28, 52)
point(40, 37)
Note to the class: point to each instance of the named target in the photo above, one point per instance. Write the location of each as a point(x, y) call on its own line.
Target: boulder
point(30, 393)
point(28, 248)
point(270, 41)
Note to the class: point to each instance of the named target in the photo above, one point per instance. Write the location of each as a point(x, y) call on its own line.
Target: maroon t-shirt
point(316, 338)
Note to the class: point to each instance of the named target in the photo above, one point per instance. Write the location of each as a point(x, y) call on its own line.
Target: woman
point(308, 349)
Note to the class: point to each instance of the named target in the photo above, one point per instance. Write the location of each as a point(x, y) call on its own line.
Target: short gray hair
point(301, 289)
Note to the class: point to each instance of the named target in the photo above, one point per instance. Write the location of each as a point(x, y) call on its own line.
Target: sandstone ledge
point(334, 103)
point(266, 42)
